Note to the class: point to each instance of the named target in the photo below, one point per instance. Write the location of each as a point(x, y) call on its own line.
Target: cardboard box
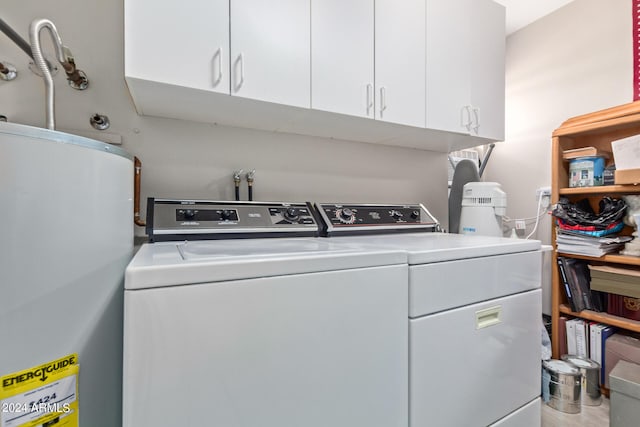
point(620, 347)
point(628, 176)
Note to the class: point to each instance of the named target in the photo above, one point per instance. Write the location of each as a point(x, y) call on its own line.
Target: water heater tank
point(66, 235)
point(483, 206)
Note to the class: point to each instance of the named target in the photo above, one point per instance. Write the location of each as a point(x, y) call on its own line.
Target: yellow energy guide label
point(41, 396)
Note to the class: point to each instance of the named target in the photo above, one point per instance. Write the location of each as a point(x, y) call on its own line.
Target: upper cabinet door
point(400, 61)
point(270, 51)
point(342, 57)
point(488, 70)
point(449, 65)
point(183, 43)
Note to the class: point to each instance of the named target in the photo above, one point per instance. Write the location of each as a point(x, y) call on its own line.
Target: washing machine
point(474, 315)
point(237, 315)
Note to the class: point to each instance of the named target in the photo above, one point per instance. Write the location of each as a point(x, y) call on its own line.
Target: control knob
point(346, 215)
point(396, 215)
point(189, 214)
point(415, 214)
point(226, 214)
point(291, 214)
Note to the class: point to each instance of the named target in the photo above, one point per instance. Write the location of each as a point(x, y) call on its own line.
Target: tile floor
point(590, 416)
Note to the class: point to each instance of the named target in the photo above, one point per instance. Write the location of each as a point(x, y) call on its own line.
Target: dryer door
point(475, 364)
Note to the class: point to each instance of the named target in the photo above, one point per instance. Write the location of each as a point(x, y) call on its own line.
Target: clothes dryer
point(474, 315)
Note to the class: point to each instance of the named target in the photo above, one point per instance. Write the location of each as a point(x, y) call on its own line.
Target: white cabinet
point(400, 61)
point(418, 73)
point(447, 76)
point(345, 39)
point(270, 51)
point(487, 70)
point(342, 57)
point(182, 43)
point(465, 67)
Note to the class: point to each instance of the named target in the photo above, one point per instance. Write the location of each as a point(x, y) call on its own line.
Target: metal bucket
point(561, 386)
point(590, 381)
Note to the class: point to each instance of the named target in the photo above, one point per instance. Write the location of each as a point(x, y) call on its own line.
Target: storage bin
point(586, 172)
point(624, 409)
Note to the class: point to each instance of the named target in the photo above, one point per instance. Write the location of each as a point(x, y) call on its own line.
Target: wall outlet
point(520, 225)
point(545, 191)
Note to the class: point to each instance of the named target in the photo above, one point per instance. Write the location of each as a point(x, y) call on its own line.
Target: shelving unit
point(590, 130)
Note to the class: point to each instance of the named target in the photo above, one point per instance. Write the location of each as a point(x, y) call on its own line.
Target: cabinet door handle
point(369, 98)
point(240, 62)
point(383, 99)
point(465, 123)
point(218, 58)
point(476, 115)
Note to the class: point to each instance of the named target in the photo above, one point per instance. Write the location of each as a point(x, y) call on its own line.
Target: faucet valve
point(250, 176)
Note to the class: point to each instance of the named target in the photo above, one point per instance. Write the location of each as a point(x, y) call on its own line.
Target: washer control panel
point(367, 218)
point(202, 219)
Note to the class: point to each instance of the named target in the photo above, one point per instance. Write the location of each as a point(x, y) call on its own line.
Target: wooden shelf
point(603, 121)
point(609, 319)
point(602, 189)
point(618, 259)
point(596, 130)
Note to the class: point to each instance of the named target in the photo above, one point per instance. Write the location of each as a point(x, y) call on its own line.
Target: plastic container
point(586, 172)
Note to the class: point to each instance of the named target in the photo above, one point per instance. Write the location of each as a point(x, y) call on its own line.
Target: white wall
point(190, 160)
point(574, 61)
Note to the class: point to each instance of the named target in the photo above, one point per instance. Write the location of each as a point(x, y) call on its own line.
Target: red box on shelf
point(624, 306)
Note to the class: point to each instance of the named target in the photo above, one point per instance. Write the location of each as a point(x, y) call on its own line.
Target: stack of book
point(622, 286)
point(576, 281)
point(570, 242)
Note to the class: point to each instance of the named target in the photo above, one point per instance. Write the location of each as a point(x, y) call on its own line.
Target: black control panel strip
point(351, 219)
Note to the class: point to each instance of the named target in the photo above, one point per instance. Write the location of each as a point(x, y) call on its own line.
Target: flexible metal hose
point(77, 79)
point(36, 50)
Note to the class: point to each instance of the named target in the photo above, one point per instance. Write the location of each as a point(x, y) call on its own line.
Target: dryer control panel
point(202, 219)
point(372, 219)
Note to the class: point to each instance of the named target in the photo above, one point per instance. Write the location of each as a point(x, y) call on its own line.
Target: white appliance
point(67, 236)
point(483, 206)
point(292, 331)
point(474, 316)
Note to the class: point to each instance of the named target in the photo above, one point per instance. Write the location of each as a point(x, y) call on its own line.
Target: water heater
point(67, 236)
point(483, 206)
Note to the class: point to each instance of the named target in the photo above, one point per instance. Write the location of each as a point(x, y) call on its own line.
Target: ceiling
point(521, 13)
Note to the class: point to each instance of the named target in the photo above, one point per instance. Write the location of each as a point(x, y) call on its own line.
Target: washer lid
point(425, 248)
point(170, 263)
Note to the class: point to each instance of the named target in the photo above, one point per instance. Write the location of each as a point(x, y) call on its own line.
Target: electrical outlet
point(520, 225)
point(545, 191)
